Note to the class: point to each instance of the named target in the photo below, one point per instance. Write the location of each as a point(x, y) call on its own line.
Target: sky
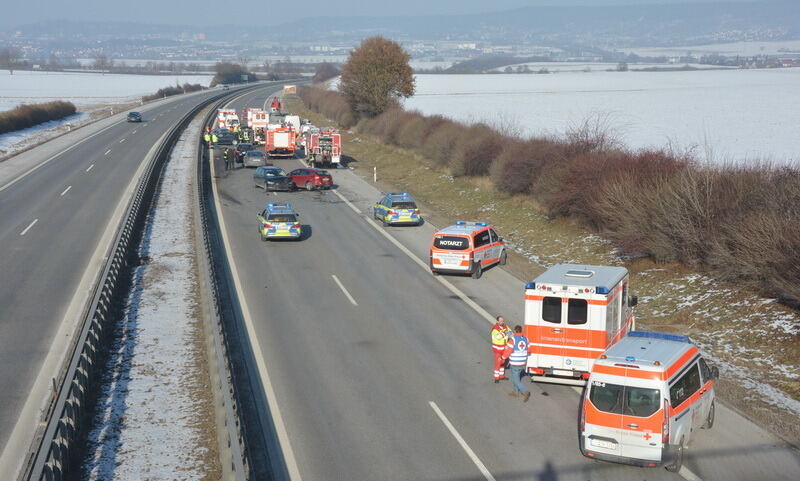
point(209, 12)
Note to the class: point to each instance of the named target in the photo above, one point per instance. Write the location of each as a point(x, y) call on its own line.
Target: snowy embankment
point(94, 94)
point(155, 418)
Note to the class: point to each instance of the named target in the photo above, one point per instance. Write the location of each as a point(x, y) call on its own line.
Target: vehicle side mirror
point(633, 301)
point(499, 239)
point(714, 372)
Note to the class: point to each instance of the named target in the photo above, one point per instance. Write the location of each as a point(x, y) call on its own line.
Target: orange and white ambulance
point(572, 314)
point(646, 397)
point(466, 247)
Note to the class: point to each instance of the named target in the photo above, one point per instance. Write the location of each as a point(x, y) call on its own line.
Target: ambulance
point(572, 314)
point(646, 397)
point(466, 248)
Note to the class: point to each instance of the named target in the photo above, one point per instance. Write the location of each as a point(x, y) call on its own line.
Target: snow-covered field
point(729, 114)
point(155, 419)
point(555, 67)
point(732, 48)
point(83, 89)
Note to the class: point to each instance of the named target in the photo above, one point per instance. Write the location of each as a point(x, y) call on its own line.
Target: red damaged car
point(311, 179)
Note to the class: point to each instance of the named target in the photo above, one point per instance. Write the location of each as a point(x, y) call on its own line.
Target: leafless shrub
point(440, 144)
point(26, 116)
point(593, 134)
point(475, 151)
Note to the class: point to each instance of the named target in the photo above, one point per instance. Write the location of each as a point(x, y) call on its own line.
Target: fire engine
point(280, 141)
point(572, 314)
point(323, 146)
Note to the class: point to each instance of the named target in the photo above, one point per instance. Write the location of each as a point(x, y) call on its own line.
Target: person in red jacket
point(500, 334)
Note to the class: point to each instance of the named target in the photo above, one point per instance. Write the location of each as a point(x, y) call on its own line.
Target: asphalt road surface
point(51, 221)
point(382, 371)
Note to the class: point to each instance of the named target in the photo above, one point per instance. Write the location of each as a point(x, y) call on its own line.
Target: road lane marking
point(90, 168)
point(107, 152)
point(121, 141)
point(464, 445)
point(282, 434)
point(29, 227)
point(133, 132)
point(687, 474)
point(341, 286)
point(65, 191)
point(455, 290)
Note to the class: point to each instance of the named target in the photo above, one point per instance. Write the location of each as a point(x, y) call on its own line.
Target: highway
point(58, 203)
point(382, 371)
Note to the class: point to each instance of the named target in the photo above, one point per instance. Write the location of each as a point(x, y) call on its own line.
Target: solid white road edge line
point(29, 227)
point(30, 415)
point(341, 286)
point(688, 475)
point(272, 399)
point(90, 168)
point(464, 445)
point(455, 290)
point(65, 191)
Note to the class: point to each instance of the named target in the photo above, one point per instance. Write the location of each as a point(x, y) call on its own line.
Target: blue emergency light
point(482, 223)
point(460, 222)
point(630, 358)
point(660, 335)
point(530, 285)
point(275, 206)
point(601, 290)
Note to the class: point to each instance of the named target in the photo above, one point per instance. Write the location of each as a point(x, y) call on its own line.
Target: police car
point(397, 208)
point(279, 221)
point(466, 247)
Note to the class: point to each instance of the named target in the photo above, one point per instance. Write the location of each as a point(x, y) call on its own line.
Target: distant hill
point(609, 26)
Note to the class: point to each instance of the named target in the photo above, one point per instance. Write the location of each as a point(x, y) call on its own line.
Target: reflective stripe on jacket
point(499, 337)
point(519, 353)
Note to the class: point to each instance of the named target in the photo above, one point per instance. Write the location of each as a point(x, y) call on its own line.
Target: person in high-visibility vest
point(214, 139)
point(207, 139)
point(517, 353)
point(500, 334)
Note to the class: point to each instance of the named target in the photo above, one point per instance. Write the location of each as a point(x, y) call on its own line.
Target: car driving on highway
point(397, 208)
point(279, 221)
point(272, 179)
point(311, 179)
point(134, 117)
point(255, 158)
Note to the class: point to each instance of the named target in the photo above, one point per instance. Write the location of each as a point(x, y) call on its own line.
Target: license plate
point(558, 372)
point(604, 444)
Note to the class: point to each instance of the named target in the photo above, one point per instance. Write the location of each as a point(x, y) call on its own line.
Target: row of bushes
point(26, 116)
point(170, 91)
point(739, 222)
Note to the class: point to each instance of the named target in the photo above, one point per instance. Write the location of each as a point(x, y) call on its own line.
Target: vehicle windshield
point(274, 173)
point(451, 243)
point(627, 400)
point(283, 218)
point(322, 172)
point(404, 205)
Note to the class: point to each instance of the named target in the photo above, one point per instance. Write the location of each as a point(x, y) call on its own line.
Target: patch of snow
point(148, 425)
point(15, 141)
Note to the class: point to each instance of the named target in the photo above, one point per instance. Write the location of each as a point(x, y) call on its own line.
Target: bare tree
point(102, 62)
point(9, 58)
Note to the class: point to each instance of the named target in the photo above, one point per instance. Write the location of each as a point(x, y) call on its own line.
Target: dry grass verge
point(753, 340)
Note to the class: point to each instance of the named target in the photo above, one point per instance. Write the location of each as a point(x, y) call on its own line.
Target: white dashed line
point(65, 191)
point(134, 132)
point(107, 152)
point(29, 227)
point(90, 168)
point(341, 286)
point(464, 445)
point(688, 475)
point(121, 141)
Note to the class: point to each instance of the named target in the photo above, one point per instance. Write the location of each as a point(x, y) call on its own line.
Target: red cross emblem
point(647, 436)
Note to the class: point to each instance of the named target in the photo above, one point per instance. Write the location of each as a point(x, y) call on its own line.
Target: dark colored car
point(272, 178)
point(241, 148)
point(255, 158)
point(311, 179)
point(225, 138)
point(134, 117)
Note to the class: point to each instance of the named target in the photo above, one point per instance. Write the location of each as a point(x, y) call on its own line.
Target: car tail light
point(296, 226)
point(665, 424)
point(391, 212)
point(268, 226)
point(416, 211)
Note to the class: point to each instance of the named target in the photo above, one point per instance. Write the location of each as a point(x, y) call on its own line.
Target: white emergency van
point(572, 314)
point(646, 397)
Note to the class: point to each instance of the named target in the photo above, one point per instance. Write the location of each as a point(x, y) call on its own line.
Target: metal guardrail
point(57, 450)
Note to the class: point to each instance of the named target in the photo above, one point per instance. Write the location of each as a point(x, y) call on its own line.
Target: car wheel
point(309, 186)
point(263, 237)
point(503, 258)
point(383, 221)
point(677, 462)
point(710, 418)
point(477, 270)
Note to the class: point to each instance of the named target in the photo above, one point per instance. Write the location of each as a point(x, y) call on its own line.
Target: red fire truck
point(323, 146)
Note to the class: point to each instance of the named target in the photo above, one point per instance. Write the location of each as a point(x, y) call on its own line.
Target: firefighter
point(500, 334)
point(517, 354)
point(226, 155)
